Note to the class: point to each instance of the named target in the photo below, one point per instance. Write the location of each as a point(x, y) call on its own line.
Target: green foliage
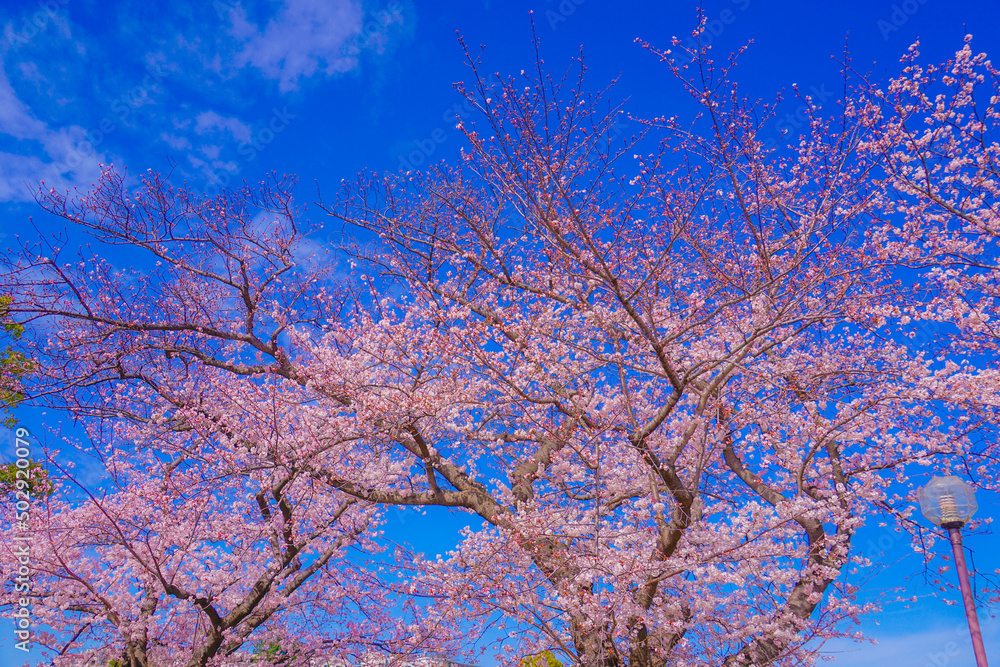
point(270, 653)
point(268, 650)
point(37, 484)
point(13, 364)
point(543, 659)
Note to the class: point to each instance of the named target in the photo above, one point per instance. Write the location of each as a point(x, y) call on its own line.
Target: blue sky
point(224, 90)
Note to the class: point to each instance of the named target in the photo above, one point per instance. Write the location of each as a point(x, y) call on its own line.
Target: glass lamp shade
point(947, 501)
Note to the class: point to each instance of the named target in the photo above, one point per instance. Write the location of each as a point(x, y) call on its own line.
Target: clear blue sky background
point(325, 88)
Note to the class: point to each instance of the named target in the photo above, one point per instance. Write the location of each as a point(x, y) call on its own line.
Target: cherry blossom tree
point(206, 539)
point(197, 560)
point(943, 171)
point(667, 377)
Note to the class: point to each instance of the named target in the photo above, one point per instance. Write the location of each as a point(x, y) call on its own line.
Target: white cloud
point(208, 121)
point(19, 176)
point(176, 142)
point(72, 159)
point(15, 120)
point(306, 37)
point(933, 647)
point(288, 41)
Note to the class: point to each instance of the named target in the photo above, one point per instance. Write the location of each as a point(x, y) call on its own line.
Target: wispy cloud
point(15, 119)
point(305, 37)
point(934, 646)
point(52, 154)
point(209, 121)
point(178, 143)
point(184, 95)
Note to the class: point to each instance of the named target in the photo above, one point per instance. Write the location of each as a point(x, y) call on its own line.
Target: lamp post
point(949, 502)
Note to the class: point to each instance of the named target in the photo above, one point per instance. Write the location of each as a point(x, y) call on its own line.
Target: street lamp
point(949, 502)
